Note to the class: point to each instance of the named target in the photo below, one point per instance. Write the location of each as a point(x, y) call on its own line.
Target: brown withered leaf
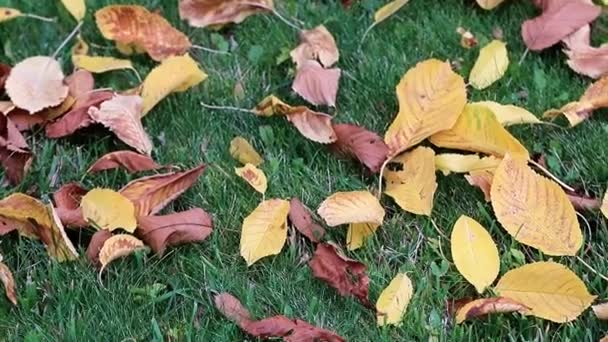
point(135, 25)
point(203, 13)
point(151, 194)
point(312, 125)
point(487, 306)
point(316, 84)
point(6, 277)
point(97, 241)
point(78, 116)
point(160, 232)
point(317, 45)
point(67, 204)
point(116, 247)
point(343, 274)
point(359, 143)
point(301, 218)
point(15, 155)
point(128, 160)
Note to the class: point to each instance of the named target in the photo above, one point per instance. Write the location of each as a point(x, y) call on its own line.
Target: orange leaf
point(361, 144)
point(97, 241)
point(487, 306)
point(117, 247)
point(203, 13)
point(312, 125)
point(131, 161)
point(6, 277)
point(595, 97)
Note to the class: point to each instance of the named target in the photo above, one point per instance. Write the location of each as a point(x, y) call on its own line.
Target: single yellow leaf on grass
point(477, 130)
point(604, 207)
point(77, 8)
point(109, 210)
point(431, 98)
point(118, 246)
point(549, 289)
point(491, 65)
point(7, 14)
point(98, 65)
point(461, 163)
point(534, 209)
point(489, 4)
point(486, 306)
point(351, 207)
point(387, 10)
point(357, 234)
point(241, 150)
point(509, 115)
point(393, 300)
point(264, 230)
point(413, 188)
point(174, 74)
point(474, 253)
point(601, 311)
point(254, 176)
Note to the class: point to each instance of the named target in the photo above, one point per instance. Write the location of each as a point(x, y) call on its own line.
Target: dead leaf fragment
point(15, 155)
point(483, 180)
point(241, 150)
point(302, 219)
point(78, 116)
point(264, 231)
point(361, 144)
point(118, 246)
point(351, 207)
point(203, 13)
point(312, 125)
point(6, 277)
point(253, 176)
point(128, 160)
point(109, 210)
point(488, 306)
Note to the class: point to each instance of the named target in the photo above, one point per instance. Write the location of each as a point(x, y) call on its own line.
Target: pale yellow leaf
point(388, 10)
point(241, 150)
point(99, 65)
point(7, 14)
point(77, 8)
point(549, 289)
point(604, 207)
point(534, 209)
point(264, 230)
point(118, 246)
point(254, 176)
point(109, 210)
point(461, 163)
point(393, 300)
point(351, 207)
point(474, 252)
point(357, 234)
point(490, 66)
point(601, 311)
point(509, 115)
point(489, 4)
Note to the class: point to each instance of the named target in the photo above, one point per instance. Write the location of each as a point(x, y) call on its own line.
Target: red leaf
point(312, 125)
point(5, 70)
point(129, 160)
point(305, 332)
point(67, 204)
point(300, 217)
point(78, 116)
point(159, 232)
point(584, 58)
point(15, 156)
point(232, 308)
point(24, 121)
point(357, 142)
point(97, 241)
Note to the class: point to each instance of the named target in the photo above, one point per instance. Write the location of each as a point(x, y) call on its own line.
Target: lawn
point(170, 297)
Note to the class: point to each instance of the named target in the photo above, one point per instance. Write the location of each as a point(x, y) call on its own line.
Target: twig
point(198, 47)
point(591, 268)
point(66, 40)
point(34, 16)
point(557, 180)
point(367, 31)
point(382, 175)
point(236, 109)
point(521, 60)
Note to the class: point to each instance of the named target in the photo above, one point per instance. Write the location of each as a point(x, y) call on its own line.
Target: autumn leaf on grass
point(116, 247)
point(108, 209)
point(80, 84)
point(582, 57)
point(100, 64)
point(203, 13)
point(509, 115)
point(7, 14)
point(77, 8)
point(241, 150)
point(6, 277)
point(361, 144)
point(477, 130)
point(358, 233)
point(595, 97)
point(312, 125)
point(474, 253)
point(384, 13)
point(264, 231)
point(15, 155)
point(431, 98)
point(540, 286)
point(601, 311)
point(463, 163)
point(151, 194)
point(488, 306)
point(160, 232)
point(351, 207)
point(121, 115)
point(67, 204)
point(253, 176)
point(413, 188)
point(316, 84)
point(317, 45)
point(132, 24)
point(270, 106)
point(36, 83)
point(534, 209)
point(490, 66)
point(78, 116)
point(128, 160)
point(604, 207)
point(301, 218)
point(345, 275)
point(174, 74)
point(483, 180)
point(97, 241)
point(393, 300)
point(489, 4)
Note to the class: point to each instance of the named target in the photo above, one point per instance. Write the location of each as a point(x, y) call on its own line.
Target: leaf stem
point(591, 268)
point(199, 47)
point(236, 109)
point(557, 180)
point(38, 17)
point(67, 39)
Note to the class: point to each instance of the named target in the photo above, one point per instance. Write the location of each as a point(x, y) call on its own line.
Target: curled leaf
point(351, 207)
point(264, 231)
point(488, 306)
point(130, 161)
point(241, 150)
point(253, 176)
point(595, 97)
point(393, 300)
point(118, 246)
point(361, 144)
point(109, 210)
point(203, 13)
point(483, 180)
point(97, 241)
point(78, 116)
point(6, 277)
point(317, 45)
point(301, 218)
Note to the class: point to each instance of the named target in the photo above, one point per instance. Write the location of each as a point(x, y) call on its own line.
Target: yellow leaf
point(118, 246)
point(431, 98)
point(491, 65)
point(393, 300)
point(549, 289)
point(254, 176)
point(534, 209)
point(474, 252)
point(601, 311)
point(357, 234)
point(460, 163)
point(241, 150)
point(477, 130)
point(77, 8)
point(413, 188)
point(387, 10)
point(351, 207)
point(486, 306)
point(489, 4)
point(100, 65)
point(271, 105)
point(604, 207)
point(264, 230)
point(509, 115)
point(7, 14)
point(109, 210)
point(174, 74)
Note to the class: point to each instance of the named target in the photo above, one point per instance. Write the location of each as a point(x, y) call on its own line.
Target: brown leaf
point(313, 125)
point(15, 155)
point(357, 142)
point(595, 97)
point(232, 308)
point(486, 306)
point(67, 204)
point(316, 84)
point(78, 116)
point(129, 160)
point(159, 232)
point(151, 194)
point(316, 45)
point(345, 275)
point(301, 218)
point(97, 241)
point(203, 13)
point(6, 277)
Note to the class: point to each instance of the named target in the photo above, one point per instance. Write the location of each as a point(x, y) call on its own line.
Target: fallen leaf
point(6, 277)
point(388, 10)
point(413, 188)
point(483, 180)
point(509, 115)
point(595, 97)
point(316, 84)
point(489, 4)
point(132, 24)
point(316, 45)
point(78, 116)
point(534, 209)
point(461, 163)
point(582, 57)
point(174, 74)
point(467, 38)
point(312, 125)
point(5, 70)
point(67, 204)
point(97, 241)
point(116, 247)
point(7, 14)
point(270, 106)
point(601, 311)
point(301, 218)
point(474, 252)
point(431, 98)
point(80, 47)
point(393, 300)
point(99, 64)
point(540, 286)
point(80, 84)
point(203, 13)
point(361, 144)
point(490, 66)
point(36, 83)
point(109, 210)
point(77, 8)
point(15, 155)
point(351, 207)
point(232, 308)
point(241, 150)
point(264, 231)
point(488, 306)
point(160, 232)
point(604, 207)
point(128, 160)
point(358, 233)
point(254, 176)
point(582, 202)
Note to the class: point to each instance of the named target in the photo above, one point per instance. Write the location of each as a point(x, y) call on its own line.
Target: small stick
point(236, 109)
point(198, 47)
point(591, 268)
point(521, 60)
point(557, 180)
point(381, 175)
point(34, 16)
point(65, 41)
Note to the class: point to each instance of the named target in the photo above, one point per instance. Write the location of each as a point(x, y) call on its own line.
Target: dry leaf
point(270, 106)
point(483, 180)
point(361, 144)
point(509, 115)
point(97, 241)
point(203, 13)
point(393, 300)
point(541, 286)
point(108, 209)
point(489, 4)
point(584, 58)
point(151, 194)
point(128, 160)
point(160, 232)
point(67, 204)
point(595, 97)
point(264, 231)
point(413, 188)
point(474, 252)
point(316, 45)
point(358, 233)
point(301, 218)
point(461, 163)
point(601, 311)
point(534, 209)
point(490, 66)
point(388, 10)
point(78, 116)
point(487, 306)
point(312, 125)
point(7, 14)
point(254, 176)
point(431, 98)
point(118, 246)
point(15, 155)
point(351, 207)
point(6, 277)
point(316, 84)
point(77, 8)
point(241, 150)
point(80, 84)
point(98, 64)
point(467, 38)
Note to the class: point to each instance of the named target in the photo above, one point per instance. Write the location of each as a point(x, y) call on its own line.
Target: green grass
point(65, 301)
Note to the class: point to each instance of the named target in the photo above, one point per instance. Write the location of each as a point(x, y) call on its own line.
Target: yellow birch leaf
point(486, 306)
point(413, 188)
point(241, 150)
point(534, 210)
point(388, 10)
point(357, 234)
point(351, 207)
point(491, 65)
point(109, 210)
point(549, 289)
point(461, 163)
point(489, 4)
point(509, 115)
point(604, 207)
point(393, 300)
point(174, 74)
point(118, 246)
point(431, 98)
point(474, 252)
point(98, 65)
point(7, 14)
point(264, 230)
point(254, 176)
point(601, 311)
point(477, 130)
point(77, 8)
